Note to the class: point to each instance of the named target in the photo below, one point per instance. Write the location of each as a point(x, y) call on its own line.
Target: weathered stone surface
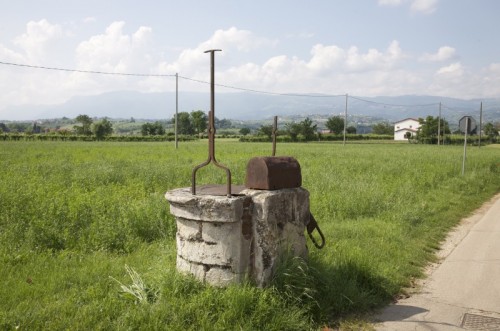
point(221, 232)
point(224, 240)
point(279, 222)
point(207, 208)
point(189, 229)
point(214, 275)
point(222, 277)
point(186, 267)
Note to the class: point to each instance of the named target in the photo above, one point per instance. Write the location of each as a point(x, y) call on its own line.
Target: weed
point(137, 291)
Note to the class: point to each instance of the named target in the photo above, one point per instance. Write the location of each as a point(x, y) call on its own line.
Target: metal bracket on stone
point(211, 134)
point(311, 226)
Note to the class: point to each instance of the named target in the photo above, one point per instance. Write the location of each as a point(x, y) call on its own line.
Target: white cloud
point(326, 57)
point(490, 80)
point(390, 2)
point(11, 56)
point(328, 68)
point(495, 67)
point(37, 45)
point(37, 39)
point(453, 70)
point(115, 51)
point(458, 81)
point(233, 38)
point(420, 6)
point(330, 57)
point(193, 62)
point(444, 53)
point(424, 6)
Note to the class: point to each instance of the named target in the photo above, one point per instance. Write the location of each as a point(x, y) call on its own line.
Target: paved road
point(463, 291)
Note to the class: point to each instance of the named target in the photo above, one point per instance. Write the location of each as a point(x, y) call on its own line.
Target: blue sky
point(447, 48)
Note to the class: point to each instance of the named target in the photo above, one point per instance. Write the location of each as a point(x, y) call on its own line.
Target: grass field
point(73, 215)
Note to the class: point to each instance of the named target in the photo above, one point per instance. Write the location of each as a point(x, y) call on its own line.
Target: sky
point(448, 48)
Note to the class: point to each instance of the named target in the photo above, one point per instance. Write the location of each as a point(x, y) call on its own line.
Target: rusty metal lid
point(273, 173)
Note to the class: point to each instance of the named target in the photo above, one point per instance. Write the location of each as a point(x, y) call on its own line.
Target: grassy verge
point(73, 215)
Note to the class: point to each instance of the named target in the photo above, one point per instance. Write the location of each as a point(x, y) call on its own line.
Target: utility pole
point(176, 107)
point(439, 123)
point(465, 144)
point(480, 122)
point(345, 117)
point(444, 131)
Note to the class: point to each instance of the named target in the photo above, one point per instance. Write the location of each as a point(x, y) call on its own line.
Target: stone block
point(186, 267)
point(207, 208)
point(202, 253)
point(279, 218)
point(189, 229)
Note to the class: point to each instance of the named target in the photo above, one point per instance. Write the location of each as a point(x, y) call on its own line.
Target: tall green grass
point(74, 214)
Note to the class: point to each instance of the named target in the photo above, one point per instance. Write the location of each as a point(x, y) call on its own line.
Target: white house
point(402, 127)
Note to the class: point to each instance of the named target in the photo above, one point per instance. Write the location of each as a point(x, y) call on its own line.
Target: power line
point(267, 92)
point(394, 105)
point(220, 85)
point(170, 75)
point(85, 71)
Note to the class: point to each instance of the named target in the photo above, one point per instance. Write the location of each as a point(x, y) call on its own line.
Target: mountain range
point(256, 106)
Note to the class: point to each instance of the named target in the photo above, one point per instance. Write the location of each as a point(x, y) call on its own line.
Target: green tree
point(490, 131)
point(102, 128)
point(152, 129)
point(383, 128)
point(184, 124)
point(199, 121)
point(335, 124)
point(305, 128)
point(146, 129)
point(265, 130)
point(223, 123)
point(3, 128)
point(429, 127)
point(308, 129)
point(86, 127)
point(159, 129)
point(351, 129)
point(19, 126)
point(244, 131)
point(293, 129)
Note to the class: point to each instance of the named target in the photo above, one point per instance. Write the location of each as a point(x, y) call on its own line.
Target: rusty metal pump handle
point(211, 133)
point(311, 226)
point(274, 133)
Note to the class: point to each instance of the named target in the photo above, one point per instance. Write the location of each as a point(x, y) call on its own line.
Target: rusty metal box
point(273, 173)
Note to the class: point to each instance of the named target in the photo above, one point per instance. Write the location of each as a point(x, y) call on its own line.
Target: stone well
point(223, 240)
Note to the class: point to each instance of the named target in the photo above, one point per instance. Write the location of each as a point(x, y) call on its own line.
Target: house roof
point(406, 119)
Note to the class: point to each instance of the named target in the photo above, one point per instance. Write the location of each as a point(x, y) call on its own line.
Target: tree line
point(306, 130)
point(99, 129)
point(431, 128)
point(195, 123)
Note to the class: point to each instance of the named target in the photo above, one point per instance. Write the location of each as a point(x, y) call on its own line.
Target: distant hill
point(255, 106)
